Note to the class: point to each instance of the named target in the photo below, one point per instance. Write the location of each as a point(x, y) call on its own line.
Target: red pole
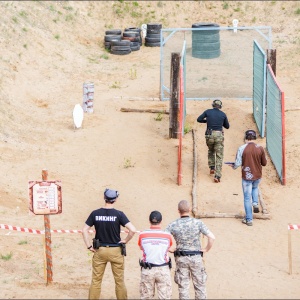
point(47, 238)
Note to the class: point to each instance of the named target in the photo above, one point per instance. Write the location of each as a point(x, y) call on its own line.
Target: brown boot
point(217, 179)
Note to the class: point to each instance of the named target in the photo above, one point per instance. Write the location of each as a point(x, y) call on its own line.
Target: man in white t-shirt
point(155, 264)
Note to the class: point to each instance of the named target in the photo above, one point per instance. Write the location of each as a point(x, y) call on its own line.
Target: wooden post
point(195, 172)
point(47, 238)
point(271, 59)
point(174, 100)
point(290, 251)
point(262, 203)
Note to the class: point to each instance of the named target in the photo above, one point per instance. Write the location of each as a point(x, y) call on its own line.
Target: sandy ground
point(42, 79)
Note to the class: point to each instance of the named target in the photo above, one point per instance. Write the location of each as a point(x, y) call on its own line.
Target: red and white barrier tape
point(36, 231)
point(290, 227)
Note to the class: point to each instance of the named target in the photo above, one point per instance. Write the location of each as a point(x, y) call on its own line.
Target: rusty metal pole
point(47, 238)
point(271, 59)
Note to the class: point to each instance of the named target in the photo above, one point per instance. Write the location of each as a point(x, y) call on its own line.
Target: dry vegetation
point(48, 49)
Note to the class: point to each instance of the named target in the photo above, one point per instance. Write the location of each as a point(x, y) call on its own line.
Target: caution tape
point(36, 231)
point(291, 227)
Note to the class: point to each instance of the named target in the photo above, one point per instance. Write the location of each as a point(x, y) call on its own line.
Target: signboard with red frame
point(45, 197)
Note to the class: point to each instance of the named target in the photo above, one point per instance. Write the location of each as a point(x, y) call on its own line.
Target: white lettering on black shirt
point(105, 218)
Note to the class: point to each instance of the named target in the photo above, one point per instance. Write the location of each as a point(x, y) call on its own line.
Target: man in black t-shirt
point(215, 120)
point(107, 222)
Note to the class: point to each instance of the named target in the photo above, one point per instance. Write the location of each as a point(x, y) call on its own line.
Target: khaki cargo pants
point(101, 257)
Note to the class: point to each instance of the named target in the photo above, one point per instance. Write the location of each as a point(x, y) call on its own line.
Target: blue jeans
point(250, 190)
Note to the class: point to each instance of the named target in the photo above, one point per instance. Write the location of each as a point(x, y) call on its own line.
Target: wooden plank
point(147, 110)
point(174, 97)
point(231, 215)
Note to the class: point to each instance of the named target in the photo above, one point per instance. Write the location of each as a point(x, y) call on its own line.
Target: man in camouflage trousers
point(214, 136)
point(188, 254)
point(155, 264)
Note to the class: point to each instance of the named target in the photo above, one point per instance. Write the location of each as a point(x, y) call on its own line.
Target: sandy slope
point(48, 50)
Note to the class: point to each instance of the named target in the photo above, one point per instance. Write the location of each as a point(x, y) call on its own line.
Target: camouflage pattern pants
point(215, 144)
point(159, 277)
point(186, 267)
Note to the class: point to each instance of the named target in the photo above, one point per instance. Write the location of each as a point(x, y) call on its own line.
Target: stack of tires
point(121, 44)
point(206, 43)
point(121, 47)
point(152, 38)
point(133, 34)
point(112, 35)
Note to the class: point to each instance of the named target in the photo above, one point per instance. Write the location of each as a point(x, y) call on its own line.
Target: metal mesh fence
point(275, 124)
point(259, 87)
point(228, 76)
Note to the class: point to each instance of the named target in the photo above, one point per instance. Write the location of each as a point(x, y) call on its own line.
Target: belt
point(218, 130)
point(110, 245)
point(189, 253)
point(153, 265)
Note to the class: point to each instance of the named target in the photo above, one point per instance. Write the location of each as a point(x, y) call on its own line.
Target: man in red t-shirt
point(251, 157)
point(155, 264)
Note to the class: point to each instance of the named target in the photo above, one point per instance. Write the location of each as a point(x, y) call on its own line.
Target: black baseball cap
point(155, 217)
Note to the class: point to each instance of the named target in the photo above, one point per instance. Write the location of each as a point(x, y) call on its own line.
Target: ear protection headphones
point(217, 103)
point(250, 135)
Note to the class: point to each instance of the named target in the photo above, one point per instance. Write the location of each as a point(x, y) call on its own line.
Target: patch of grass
point(127, 163)
point(69, 18)
point(119, 12)
point(116, 85)
point(51, 7)
point(25, 46)
point(23, 14)
point(135, 3)
point(225, 5)
point(68, 8)
point(132, 74)
point(94, 60)
point(15, 19)
point(23, 242)
point(24, 29)
point(159, 117)
point(253, 20)
point(104, 56)
point(297, 12)
point(238, 9)
point(160, 4)
point(7, 257)
point(57, 36)
point(135, 14)
point(203, 79)
point(187, 128)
